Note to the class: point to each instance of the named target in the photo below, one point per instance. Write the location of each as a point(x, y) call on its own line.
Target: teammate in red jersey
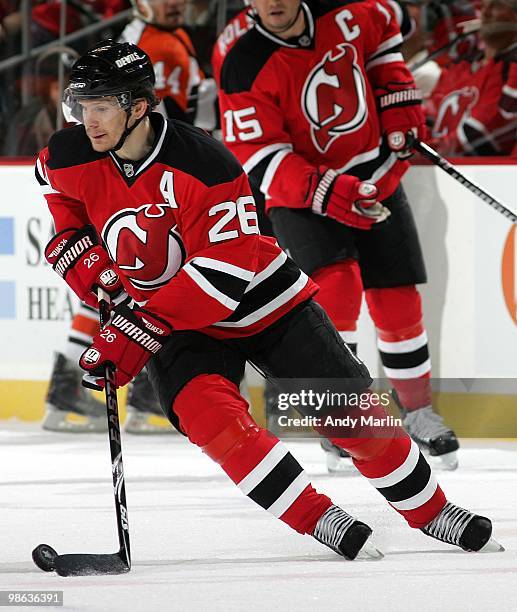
point(469, 105)
point(234, 29)
point(508, 100)
point(316, 99)
point(162, 211)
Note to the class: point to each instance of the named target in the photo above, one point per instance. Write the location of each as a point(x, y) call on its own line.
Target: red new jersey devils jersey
point(508, 101)
point(471, 107)
point(180, 226)
point(234, 29)
point(288, 106)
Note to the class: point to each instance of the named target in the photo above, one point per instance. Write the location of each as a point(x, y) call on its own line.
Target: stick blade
point(90, 565)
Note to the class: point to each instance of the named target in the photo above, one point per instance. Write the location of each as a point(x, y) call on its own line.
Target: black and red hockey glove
point(79, 258)
point(127, 342)
point(401, 114)
point(345, 198)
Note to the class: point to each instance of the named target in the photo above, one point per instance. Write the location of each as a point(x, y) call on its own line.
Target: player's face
point(498, 22)
point(168, 13)
point(104, 122)
point(276, 15)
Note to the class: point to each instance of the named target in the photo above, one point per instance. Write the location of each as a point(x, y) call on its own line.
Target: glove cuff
point(404, 97)
point(323, 189)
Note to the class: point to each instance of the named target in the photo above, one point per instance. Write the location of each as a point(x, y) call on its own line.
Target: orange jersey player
point(157, 28)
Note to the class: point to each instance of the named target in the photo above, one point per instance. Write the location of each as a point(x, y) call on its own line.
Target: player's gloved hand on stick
point(78, 256)
point(346, 199)
point(127, 342)
point(402, 123)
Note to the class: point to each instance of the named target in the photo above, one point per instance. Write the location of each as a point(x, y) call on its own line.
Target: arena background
point(470, 301)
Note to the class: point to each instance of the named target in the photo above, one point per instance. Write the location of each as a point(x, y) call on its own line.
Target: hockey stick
point(44, 556)
point(469, 27)
point(434, 157)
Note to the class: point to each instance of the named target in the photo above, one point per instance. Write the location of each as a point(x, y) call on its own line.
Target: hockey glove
point(129, 340)
point(78, 257)
point(346, 199)
point(398, 120)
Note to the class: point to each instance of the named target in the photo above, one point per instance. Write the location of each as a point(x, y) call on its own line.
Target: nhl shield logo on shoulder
point(129, 171)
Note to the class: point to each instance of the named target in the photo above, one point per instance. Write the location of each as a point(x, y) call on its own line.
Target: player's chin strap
point(128, 130)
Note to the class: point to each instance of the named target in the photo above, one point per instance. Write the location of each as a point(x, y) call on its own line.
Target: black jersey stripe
point(256, 174)
point(231, 286)
point(41, 180)
point(365, 170)
point(263, 293)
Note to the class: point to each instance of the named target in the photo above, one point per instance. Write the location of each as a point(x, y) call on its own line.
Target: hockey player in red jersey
point(184, 94)
point(468, 104)
point(234, 29)
point(316, 99)
point(161, 211)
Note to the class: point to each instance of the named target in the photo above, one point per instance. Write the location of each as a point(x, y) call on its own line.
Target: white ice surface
point(199, 544)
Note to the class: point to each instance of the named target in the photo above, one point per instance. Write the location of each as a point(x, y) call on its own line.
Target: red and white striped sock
point(215, 416)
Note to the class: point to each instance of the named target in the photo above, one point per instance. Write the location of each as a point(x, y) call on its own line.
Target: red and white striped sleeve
point(254, 132)
point(67, 211)
point(384, 63)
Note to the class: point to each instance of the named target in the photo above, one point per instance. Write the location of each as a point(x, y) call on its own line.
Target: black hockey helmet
point(111, 68)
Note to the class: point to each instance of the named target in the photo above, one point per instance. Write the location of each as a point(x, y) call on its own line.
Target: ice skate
point(338, 460)
point(429, 431)
point(69, 406)
point(462, 528)
point(144, 415)
point(346, 535)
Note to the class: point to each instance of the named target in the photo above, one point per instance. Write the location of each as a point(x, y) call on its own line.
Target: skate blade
point(339, 465)
point(492, 546)
point(448, 461)
point(71, 422)
point(369, 553)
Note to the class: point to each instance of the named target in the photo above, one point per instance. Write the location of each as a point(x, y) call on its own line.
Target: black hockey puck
point(44, 556)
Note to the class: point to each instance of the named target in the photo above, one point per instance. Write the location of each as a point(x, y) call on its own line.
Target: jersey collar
point(303, 41)
point(130, 169)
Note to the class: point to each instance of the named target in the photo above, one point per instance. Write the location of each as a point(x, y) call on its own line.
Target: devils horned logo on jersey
point(453, 107)
point(145, 244)
point(334, 96)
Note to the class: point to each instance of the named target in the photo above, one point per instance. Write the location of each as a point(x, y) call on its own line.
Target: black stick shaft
point(442, 163)
point(117, 466)
point(432, 56)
